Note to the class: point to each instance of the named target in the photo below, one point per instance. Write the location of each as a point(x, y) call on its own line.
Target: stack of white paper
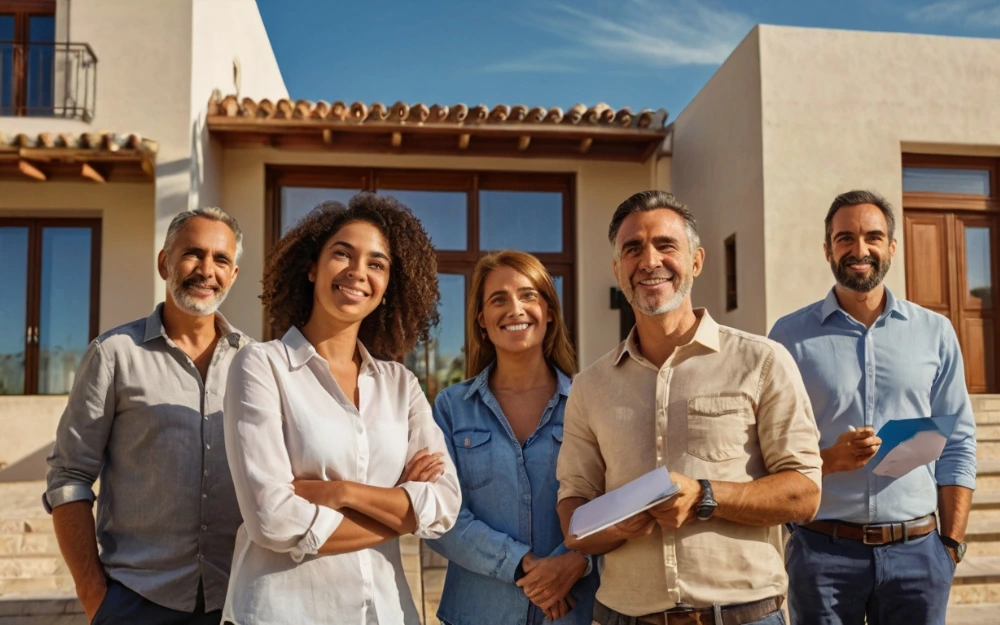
point(640, 494)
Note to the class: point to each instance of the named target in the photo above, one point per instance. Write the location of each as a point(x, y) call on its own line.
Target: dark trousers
point(841, 581)
point(122, 606)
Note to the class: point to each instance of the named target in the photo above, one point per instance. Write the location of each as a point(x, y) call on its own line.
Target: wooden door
point(952, 268)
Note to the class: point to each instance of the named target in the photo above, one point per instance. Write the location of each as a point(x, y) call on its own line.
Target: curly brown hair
point(411, 297)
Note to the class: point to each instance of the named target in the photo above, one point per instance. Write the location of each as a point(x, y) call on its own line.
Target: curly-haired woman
point(334, 451)
point(504, 428)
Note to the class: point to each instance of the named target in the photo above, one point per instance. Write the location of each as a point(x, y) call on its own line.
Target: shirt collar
point(300, 351)
point(706, 335)
point(155, 329)
point(481, 382)
point(831, 305)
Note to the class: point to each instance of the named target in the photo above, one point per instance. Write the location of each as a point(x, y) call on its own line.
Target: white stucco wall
point(717, 172)
point(601, 186)
point(839, 108)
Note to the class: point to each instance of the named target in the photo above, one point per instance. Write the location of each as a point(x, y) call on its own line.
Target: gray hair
point(853, 198)
point(653, 200)
point(209, 212)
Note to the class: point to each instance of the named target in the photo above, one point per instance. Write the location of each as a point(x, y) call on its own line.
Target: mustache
point(854, 260)
point(201, 284)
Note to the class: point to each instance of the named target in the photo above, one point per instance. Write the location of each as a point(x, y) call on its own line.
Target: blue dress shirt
point(907, 365)
point(508, 508)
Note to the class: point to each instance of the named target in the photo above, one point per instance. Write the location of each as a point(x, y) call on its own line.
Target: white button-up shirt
point(286, 418)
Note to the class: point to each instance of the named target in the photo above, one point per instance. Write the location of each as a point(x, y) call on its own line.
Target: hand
point(680, 509)
point(329, 493)
point(548, 580)
point(953, 553)
point(853, 450)
point(92, 598)
point(423, 467)
point(636, 526)
point(560, 609)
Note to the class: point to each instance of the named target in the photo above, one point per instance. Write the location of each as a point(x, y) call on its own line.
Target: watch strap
point(950, 542)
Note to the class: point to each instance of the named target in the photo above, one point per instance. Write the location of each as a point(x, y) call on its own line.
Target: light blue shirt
point(508, 508)
point(907, 365)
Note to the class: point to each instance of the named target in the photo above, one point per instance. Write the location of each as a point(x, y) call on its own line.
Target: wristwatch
point(954, 544)
point(707, 506)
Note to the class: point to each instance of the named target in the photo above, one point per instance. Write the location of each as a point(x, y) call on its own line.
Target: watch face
point(960, 551)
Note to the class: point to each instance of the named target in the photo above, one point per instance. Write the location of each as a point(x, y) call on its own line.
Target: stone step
point(985, 402)
point(37, 525)
point(29, 544)
point(36, 586)
point(973, 614)
point(29, 566)
point(48, 609)
point(983, 537)
point(988, 474)
point(977, 580)
point(987, 417)
point(987, 444)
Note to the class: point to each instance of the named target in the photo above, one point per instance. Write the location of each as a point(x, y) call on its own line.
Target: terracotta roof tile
point(98, 142)
point(402, 113)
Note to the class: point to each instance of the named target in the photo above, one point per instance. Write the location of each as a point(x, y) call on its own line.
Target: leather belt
point(735, 614)
point(876, 533)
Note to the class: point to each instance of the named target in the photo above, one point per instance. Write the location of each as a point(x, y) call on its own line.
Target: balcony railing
point(42, 79)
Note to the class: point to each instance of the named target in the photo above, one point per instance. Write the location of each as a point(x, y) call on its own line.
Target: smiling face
point(859, 251)
point(199, 266)
point(654, 263)
point(351, 273)
point(514, 313)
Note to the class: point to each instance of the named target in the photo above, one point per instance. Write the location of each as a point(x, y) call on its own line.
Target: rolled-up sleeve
point(274, 516)
point(949, 396)
point(435, 504)
point(82, 435)
point(786, 426)
point(580, 469)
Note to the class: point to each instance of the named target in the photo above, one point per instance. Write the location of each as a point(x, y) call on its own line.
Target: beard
point(194, 306)
point(858, 283)
point(652, 308)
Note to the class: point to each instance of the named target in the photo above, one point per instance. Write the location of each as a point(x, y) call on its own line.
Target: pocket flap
point(717, 405)
point(467, 439)
point(557, 432)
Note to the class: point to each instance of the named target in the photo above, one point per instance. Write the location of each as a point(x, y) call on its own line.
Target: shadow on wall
point(30, 468)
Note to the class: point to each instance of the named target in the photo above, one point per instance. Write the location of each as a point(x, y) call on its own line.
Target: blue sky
point(638, 53)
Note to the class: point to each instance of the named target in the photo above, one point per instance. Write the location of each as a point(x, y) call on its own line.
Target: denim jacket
point(508, 508)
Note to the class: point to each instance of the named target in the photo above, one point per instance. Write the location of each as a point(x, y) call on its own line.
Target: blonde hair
point(556, 347)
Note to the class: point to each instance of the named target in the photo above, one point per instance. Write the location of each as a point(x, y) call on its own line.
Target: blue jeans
point(841, 581)
point(123, 606)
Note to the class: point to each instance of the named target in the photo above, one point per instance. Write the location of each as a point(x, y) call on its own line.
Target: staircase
point(975, 594)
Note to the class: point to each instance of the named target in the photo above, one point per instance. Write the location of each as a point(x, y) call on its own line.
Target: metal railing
point(45, 79)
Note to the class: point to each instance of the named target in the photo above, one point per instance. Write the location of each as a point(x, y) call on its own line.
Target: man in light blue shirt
point(868, 357)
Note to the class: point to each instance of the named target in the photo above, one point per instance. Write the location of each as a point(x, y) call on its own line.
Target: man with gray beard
point(725, 411)
point(877, 550)
point(145, 416)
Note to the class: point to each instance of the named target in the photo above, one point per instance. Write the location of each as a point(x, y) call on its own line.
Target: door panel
point(927, 276)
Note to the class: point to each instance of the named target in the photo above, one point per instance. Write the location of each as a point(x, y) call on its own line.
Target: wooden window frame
point(929, 200)
point(34, 278)
point(371, 179)
point(23, 11)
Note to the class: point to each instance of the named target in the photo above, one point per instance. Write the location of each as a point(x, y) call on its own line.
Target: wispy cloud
point(651, 33)
point(969, 13)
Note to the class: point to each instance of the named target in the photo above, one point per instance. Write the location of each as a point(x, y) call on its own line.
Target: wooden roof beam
point(397, 139)
point(90, 173)
point(31, 171)
point(585, 145)
point(523, 142)
point(463, 141)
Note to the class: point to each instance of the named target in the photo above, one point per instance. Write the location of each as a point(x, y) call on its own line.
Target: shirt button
point(204, 527)
point(201, 557)
point(208, 446)
point(206, 471)
point(468, 442)
point(204, 495)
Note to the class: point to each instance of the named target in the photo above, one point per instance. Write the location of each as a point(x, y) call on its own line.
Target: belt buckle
point(868, 530)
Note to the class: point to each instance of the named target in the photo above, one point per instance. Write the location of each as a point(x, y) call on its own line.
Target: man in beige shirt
point(724, 410)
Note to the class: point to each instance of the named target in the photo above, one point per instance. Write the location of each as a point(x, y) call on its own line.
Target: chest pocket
point(718, 428)
point(472, 458)
point(557, 438)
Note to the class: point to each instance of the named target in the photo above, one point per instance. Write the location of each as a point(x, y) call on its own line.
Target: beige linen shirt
point(728, 406)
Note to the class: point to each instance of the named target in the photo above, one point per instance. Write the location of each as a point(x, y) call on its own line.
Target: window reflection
point(442, 213)
point(440, 362)
point(64, 328)
point(946, 180)
point(521, 220)
point(13, 308)
point(978, 276)
point(297, 202)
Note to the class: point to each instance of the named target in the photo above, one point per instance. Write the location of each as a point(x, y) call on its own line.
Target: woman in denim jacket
point(503, 427)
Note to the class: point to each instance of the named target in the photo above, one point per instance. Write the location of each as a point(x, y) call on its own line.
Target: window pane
point(40, 62)
point(64, 328)
point(558, 280)
point(13, 308)
point(946, 180)
point(978, 276)
point(443, 214)
point(6, 65)
point(440, 362)
point(297, 202)
point(521, 220)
